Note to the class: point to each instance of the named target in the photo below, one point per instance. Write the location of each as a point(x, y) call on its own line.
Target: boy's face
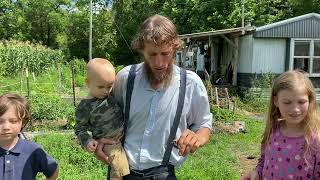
point(101, 85)
point(10, 126)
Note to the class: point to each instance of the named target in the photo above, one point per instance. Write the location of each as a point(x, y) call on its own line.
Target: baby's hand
point(92, 145)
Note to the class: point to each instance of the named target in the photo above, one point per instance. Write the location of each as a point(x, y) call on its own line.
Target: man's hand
point(92, 145)
point(190, 141)
point(99, 150)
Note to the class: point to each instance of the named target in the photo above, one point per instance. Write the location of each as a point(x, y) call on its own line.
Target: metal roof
point(305, 26)
point(218, 32)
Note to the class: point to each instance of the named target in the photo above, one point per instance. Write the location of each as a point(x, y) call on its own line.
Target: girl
point(19, 158)
point(290, 144)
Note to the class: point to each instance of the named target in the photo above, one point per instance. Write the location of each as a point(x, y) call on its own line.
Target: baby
point(100, 115)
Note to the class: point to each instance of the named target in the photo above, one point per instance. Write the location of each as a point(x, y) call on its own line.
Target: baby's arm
point(82, 124)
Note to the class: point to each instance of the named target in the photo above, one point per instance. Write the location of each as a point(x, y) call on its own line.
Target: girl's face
point(10, 126)
point(293, 105)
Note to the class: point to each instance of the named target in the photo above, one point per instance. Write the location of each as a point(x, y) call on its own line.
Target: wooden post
point(21, 79)
point(28, 85)
point(217, 95)
point(227, 97)
point(59, 79)
point(73, 86)
point(236, 60)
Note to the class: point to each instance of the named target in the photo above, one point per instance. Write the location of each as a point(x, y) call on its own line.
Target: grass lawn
point(225, 157)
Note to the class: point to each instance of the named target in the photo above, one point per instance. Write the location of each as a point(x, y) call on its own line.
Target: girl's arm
point(259, 167)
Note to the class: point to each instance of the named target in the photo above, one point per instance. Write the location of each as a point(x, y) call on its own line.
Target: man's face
point(159, 59)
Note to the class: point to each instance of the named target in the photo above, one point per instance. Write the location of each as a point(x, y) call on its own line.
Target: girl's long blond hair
point(291, 80)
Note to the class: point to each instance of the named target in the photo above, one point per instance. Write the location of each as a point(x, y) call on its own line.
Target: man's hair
point(159, 30)
point(19, 103)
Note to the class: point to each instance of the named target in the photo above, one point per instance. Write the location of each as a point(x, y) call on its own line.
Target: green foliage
point(221, 114)
point(263, 80)
point(74, 162)
point(64, 24)
point(51, 108)
point(15, 55)
point(80, 68)
point(255, 99)
point(118, 68)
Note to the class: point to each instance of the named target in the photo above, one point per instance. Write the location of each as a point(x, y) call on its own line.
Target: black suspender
point(130, 84)
point(176, 122)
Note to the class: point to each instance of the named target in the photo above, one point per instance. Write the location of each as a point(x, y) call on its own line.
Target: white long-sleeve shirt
point(152, 113)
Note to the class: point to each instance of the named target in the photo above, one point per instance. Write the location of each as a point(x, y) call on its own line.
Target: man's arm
point(199, 119)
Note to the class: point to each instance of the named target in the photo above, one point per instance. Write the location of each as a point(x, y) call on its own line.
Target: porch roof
point(201, 35)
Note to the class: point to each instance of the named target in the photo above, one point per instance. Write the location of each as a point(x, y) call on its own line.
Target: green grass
point(74, 162)
point(220, 159)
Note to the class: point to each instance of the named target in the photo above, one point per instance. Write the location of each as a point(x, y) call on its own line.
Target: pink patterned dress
point(283, 159)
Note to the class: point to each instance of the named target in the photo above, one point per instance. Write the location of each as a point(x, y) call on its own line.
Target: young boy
point(20, 158)
point(100, 115)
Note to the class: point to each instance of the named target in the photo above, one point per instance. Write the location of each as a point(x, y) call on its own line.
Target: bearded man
point(154, 103)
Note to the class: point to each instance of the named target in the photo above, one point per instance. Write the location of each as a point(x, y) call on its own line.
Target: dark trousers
point(155, 173)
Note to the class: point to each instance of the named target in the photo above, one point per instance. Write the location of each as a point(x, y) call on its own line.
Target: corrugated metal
point(245, 54)
point(269, 55)
point(304, 28)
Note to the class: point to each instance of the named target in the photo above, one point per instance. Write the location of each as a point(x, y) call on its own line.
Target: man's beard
point(164, 78)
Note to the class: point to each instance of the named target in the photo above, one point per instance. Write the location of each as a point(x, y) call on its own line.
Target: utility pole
point(90, 32)
point(242, 16)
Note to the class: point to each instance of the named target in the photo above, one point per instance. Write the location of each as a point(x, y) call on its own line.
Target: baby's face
point(100, 86)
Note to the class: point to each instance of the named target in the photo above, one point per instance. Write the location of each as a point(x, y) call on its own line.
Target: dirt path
point(246, 162)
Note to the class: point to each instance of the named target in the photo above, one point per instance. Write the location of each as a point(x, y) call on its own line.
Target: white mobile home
point(239, 54)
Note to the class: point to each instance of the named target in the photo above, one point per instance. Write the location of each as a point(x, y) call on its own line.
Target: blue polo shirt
point(24, 161)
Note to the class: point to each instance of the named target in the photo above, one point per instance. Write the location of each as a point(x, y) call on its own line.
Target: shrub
point(45, 107)
point(224, 115)
point(15, 55)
